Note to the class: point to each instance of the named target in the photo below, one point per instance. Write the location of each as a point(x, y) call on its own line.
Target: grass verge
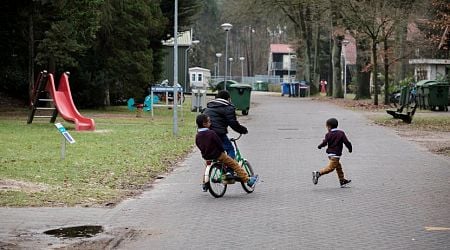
point(421, 121)
point(117, 160)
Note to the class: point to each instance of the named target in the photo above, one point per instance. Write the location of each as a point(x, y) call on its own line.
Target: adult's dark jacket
point(223, 114)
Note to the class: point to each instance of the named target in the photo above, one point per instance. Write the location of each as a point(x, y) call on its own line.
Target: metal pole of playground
point(175, 70)
point(63, 148)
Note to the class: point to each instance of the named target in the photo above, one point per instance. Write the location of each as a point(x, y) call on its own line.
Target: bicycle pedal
point(228, 181)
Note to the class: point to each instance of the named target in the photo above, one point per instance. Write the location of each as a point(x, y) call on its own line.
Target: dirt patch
point(27, 187)
point(437, 142)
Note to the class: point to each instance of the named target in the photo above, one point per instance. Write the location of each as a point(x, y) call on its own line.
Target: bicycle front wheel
point(248, 168)
point(216, 187)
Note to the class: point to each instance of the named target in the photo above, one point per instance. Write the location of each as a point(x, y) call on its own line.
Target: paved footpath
point(399, 199)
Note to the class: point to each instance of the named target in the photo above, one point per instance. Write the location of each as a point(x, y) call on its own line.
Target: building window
point(193, 77)
point(200, 77)
point(422, 74)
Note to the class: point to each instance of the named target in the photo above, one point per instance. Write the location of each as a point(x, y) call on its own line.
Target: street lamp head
point(226, 26)
point(195, 42)
point(230, 59)
point(242, 58)
point(218, 55)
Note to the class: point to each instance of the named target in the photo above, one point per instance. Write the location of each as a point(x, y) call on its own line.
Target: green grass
point(117, 160)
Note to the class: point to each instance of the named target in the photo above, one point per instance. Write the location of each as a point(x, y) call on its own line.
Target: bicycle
point(215, 178)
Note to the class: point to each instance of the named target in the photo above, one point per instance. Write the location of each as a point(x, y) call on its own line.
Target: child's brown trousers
point(332, 165)
point(230, 162)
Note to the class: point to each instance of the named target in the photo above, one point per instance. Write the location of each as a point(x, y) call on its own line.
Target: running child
point(335, 139)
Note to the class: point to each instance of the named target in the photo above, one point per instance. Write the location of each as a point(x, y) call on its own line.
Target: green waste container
point(423, 92)
point(256, 86)
point(264, 86)
point(240, 96)
point(438, 96)
point(220, 85)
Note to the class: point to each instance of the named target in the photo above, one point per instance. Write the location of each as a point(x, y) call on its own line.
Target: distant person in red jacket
point(335, 139)
point(211, 147)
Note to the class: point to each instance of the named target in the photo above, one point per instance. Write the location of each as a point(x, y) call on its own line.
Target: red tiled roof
point(281, 48)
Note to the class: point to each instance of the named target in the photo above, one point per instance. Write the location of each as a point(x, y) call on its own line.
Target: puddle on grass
point(75, 232)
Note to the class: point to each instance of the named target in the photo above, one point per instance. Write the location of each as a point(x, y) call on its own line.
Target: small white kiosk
point(430, 69)
point(199, 80)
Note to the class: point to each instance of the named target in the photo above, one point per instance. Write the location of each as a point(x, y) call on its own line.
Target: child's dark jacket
point(209, 144)
point(335, 139)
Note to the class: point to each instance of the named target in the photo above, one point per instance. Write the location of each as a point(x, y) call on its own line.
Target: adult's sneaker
point(252, 181)
point(345, 182)
point(315, 177)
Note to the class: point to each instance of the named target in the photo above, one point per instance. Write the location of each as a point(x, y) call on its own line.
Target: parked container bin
point(438, 96)
point(219, 85)
point(422, 93)
point(295, 87)
point(240, 97)
point(256, 86)
point(198, 100)
point(285, 89)
point(264, 86)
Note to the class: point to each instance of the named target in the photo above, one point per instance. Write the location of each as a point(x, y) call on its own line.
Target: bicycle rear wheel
point(216, 187)
point(248, 168)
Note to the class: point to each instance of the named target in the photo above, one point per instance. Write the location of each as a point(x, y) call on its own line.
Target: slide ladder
point(41, 100)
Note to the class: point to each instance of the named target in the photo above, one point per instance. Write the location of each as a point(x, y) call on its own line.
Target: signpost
point(66, 137)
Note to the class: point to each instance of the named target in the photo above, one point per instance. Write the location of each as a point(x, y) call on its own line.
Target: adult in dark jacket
point(223, 114)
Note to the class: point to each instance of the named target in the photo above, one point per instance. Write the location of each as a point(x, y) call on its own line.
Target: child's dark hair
point(201, 119)
point(332, 123)
point(223, 94)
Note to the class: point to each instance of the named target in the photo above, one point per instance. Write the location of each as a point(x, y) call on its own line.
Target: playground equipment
point(60, 99)
point(139, 107)
point(408, 105)
point(165, 94)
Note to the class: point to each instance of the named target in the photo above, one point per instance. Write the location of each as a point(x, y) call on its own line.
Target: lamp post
point(242, 68)
point(186, 62)
point(218, 55)
point(345, 42)
point(231, 63)
point(227, 27)
point(289, 66)
point(175, 70)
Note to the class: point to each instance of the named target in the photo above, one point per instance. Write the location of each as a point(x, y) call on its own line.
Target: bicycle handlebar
point(236, 139)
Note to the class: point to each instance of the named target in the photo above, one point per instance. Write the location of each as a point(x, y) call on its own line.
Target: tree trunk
point(330, 71)
point(362, 75)
point(252, 58)
point(386, 71)
point(400, 40)
point(316, 70)
point(30, 54)
point(337, 69)
point(374, 71)
point(305, 30)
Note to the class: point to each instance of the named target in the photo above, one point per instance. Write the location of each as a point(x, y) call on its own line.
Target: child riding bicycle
point(211, 148)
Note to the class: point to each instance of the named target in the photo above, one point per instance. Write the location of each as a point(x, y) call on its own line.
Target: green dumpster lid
point(425, 82)
point(438, 83)
point(241, 86)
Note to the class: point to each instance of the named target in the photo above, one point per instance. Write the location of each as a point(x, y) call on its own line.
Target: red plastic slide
point(64, 103)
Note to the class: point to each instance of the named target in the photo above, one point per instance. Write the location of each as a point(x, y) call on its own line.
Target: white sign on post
point(66, 138)
point(64, 133)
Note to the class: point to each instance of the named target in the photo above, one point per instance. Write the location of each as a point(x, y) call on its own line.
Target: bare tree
point(370, 17)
